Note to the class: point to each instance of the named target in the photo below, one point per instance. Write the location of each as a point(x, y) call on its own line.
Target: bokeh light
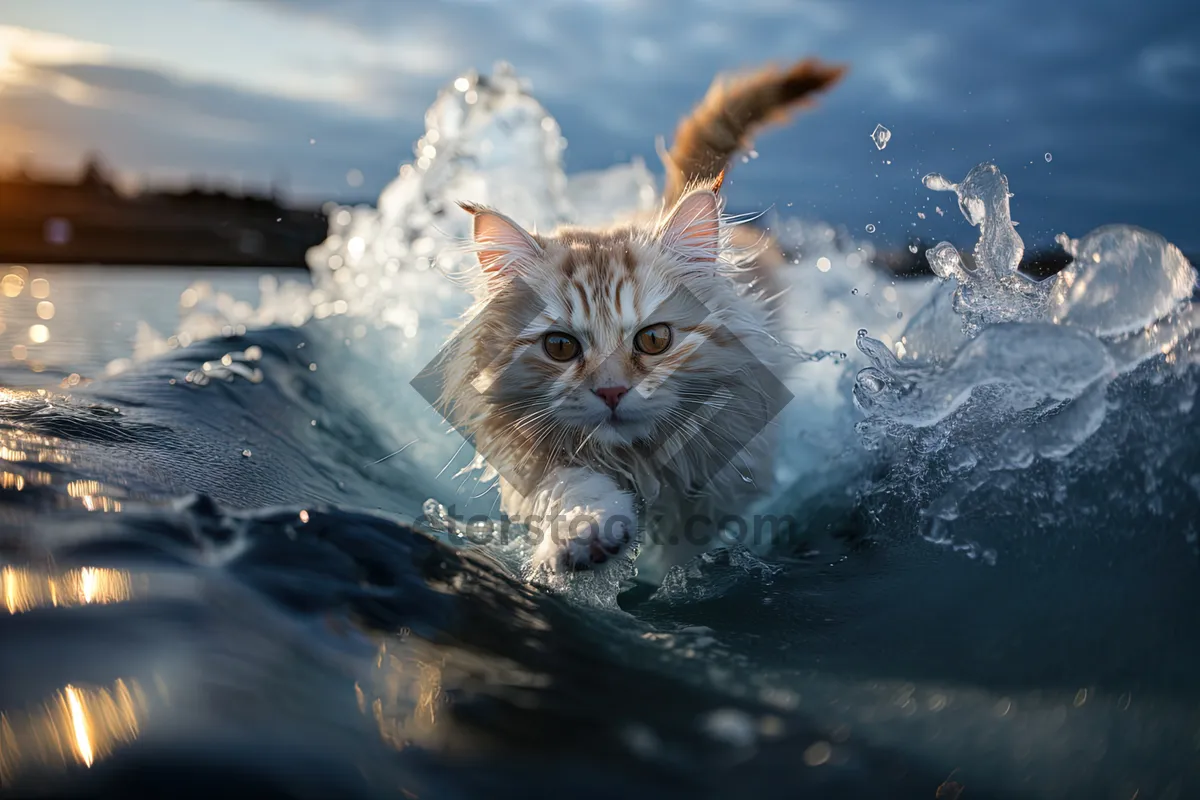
point(12, 285)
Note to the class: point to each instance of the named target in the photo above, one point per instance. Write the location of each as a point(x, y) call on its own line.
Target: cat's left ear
point(694, 228)
point(501, 243)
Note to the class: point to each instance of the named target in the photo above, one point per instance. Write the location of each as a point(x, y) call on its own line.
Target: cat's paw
point(588, 539)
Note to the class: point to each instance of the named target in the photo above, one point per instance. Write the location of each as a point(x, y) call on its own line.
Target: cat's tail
point(732, 111)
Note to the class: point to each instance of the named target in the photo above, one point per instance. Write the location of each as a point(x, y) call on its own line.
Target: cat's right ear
point(500, 243)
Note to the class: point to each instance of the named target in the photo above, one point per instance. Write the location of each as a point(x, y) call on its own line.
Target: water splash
point(1120, 279)
point(231, 366)
point(511, 546)
point(993, 290)
point(1032, 362)
point(714, 574)
point(1001, 370)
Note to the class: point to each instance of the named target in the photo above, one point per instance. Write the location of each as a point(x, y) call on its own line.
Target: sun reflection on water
point(8, 454)
point(407, 692)
point(26, 589)
point(83, 742)
point(77, 724)
point(403, 698)
point(18, 445)
point(94, 495)
point(23, 449)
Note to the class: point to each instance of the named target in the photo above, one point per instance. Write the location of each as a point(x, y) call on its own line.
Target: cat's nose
point(611, 395)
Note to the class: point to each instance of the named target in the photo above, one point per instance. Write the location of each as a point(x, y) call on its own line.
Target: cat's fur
point(575, 467)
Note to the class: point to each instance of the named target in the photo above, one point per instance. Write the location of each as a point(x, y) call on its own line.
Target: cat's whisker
point(531, 425)
point(391, 454)
point(461, 445)
point(706, 425)
point(587, 438)
point(484, 492)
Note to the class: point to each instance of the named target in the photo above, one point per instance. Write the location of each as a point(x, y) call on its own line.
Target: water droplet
point(899, 315)
point(936, 183)
point(862, 332)
point(944, 260)
point(870, 228)
point(881, 136)
point(246, 454)
point(818, 754)
point(1049, 158)
point(854, 291)
point(912, 248)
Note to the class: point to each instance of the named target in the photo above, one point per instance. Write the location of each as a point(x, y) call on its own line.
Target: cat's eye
point(561, 346)
point(653, 340)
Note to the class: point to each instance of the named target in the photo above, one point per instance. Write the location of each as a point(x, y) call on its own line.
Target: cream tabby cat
point(627, 373)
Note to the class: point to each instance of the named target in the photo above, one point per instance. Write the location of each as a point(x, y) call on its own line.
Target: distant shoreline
point(34, 264)
point(88, 221)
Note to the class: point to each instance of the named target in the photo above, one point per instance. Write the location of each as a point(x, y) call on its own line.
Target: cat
point(621, 380)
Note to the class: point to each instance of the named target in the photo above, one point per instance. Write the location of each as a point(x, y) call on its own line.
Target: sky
point(1087, 105)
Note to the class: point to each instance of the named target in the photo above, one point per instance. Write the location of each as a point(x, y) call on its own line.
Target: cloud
point(1107, 87)
point(148, 122)
point(1172, 69)
point(21, 45)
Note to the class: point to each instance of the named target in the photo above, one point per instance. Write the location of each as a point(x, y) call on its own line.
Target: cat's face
point(595, 334)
